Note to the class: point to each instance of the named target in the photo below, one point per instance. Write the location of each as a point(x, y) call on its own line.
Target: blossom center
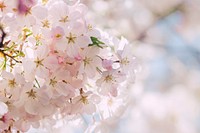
point(8, 103)
point(3, 119)
point(90, 27)
point(28, 11)
point(125, 61)
point(12, 83)
point(71, 38)
point(53, 82)
point(84, 99)
point(110, 102)
point(87, 61)
point(39, 62)
point(108, 78)
point(38, 37)
point(2, 6)
point(58, 36)
point(44, 1)
point(46, 23)
point(31, 94)
point(64, 19)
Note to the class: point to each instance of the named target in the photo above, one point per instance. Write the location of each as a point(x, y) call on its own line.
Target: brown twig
point(159, 17)
point(5, 54)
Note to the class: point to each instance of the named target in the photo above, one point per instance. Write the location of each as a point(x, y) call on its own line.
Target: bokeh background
point(165, 34)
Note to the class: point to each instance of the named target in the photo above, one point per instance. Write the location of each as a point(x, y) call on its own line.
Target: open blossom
point(56, 65)
point(127, 60)
point(36, 66)
point(11, 82)
point(34, 101)
point(75, 39)
point(23, 6)
point(5, 121)
point(85, 102)
point(109, 81)
point(90, 61)
point(59, 85)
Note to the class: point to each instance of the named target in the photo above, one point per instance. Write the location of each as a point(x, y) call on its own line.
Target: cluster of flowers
point(55, 63)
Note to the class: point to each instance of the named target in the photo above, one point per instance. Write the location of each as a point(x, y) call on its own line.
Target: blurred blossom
point(23, 6)
point(165, 35)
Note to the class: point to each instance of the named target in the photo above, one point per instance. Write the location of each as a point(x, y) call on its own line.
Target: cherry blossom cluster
point(54, 64)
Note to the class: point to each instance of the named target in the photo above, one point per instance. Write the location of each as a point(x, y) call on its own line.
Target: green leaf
point(96, 42)
point(21, 54)
point(3, 64)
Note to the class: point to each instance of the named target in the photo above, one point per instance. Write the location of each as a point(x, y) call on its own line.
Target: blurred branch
point(157, 18)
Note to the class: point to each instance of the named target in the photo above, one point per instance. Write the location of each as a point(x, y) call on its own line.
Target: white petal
point(39, 11)
point(19, 79)
point(83, 41)
point(46, 110)
point(7, 75)
point(42, 51)
point(51, 62)
point(3, 108)
point(28, 65)
point(32, 106)
point(42, 72)
point(95, 99)
point(63, 89)
point(25, 126)
point(89, 108)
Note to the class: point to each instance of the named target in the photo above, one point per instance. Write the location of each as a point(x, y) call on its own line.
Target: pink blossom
point(56, 66)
